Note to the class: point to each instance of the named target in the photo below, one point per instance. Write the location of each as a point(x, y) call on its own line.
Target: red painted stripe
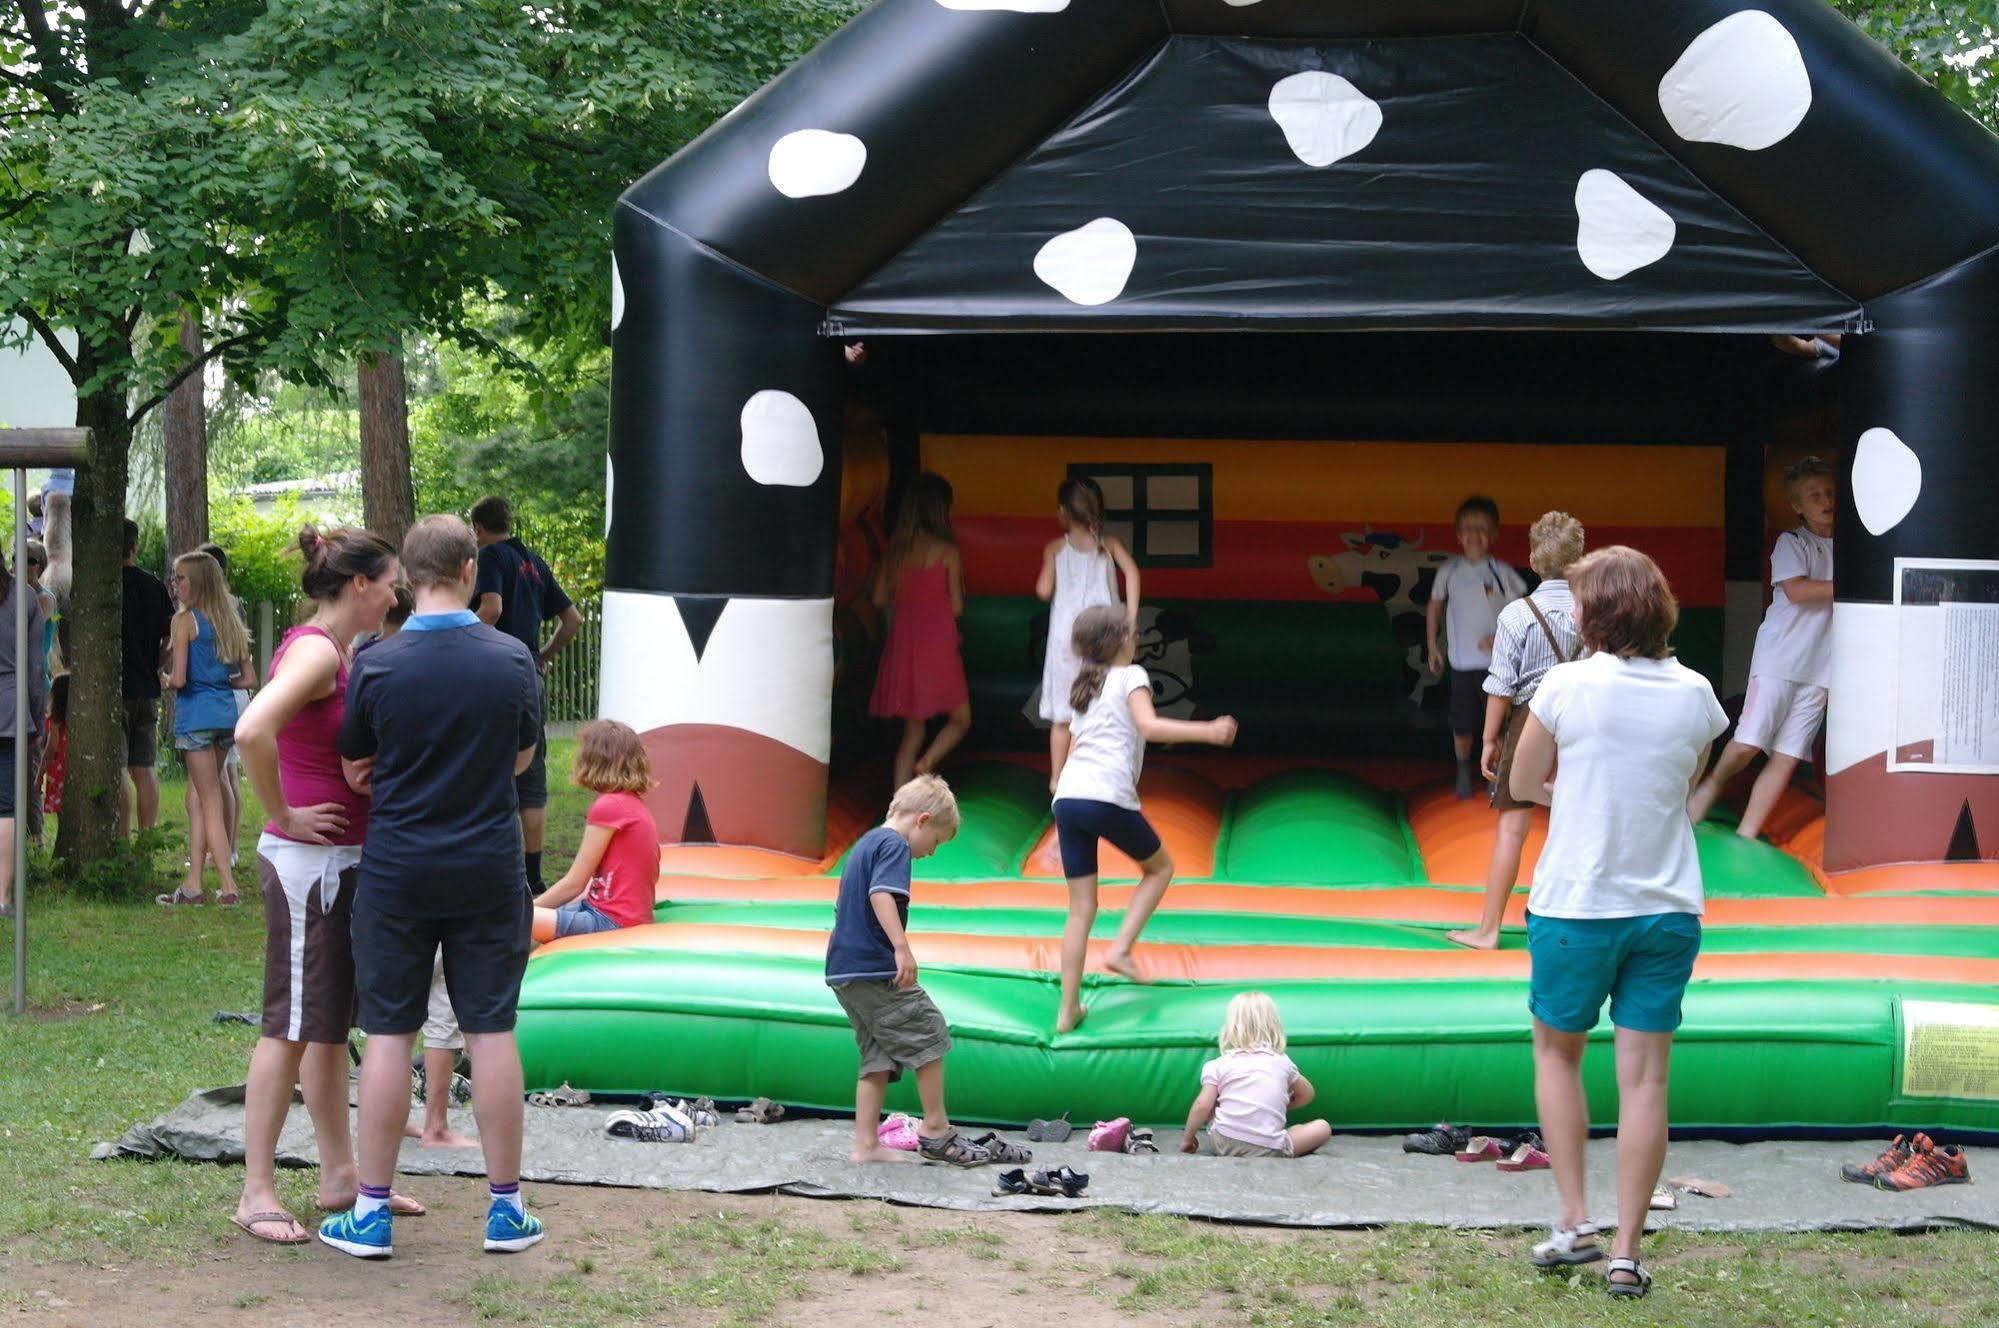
point(1270, 560)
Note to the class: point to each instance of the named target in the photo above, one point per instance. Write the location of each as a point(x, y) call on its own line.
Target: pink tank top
point(308, 752)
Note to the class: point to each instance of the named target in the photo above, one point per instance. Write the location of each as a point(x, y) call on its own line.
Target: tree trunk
point(184, 458)
point(388, 503)
point(93, 636)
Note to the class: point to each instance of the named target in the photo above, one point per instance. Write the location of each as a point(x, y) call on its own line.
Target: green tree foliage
point(1949, 42)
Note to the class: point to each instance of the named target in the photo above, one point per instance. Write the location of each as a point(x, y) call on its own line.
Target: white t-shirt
point(1255, 1095)
point(1629, 734)
point(1105, 749)
point(1473, 594)
point(1795, 640)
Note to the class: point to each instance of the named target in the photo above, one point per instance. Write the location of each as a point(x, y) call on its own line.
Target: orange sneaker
point(1897, 1153)
point(1928, 1165)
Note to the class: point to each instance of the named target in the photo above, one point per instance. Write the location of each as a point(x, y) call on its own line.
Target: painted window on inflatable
point(1164, 512)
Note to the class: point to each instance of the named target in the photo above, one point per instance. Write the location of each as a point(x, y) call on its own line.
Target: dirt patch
point(857, 1263)
point(63, 1010)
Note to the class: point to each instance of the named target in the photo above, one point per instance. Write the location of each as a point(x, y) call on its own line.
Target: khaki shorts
point(440, 1021)
point(1509, 741)
point(1229, 1146)
point(896, 1028)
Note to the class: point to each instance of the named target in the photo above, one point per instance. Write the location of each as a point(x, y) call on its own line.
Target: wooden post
point(20, 449)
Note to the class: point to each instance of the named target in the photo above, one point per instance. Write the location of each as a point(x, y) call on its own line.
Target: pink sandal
point(899, 1132)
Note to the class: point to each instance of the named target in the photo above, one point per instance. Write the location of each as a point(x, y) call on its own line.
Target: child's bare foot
point(1473, 940)
point(446, 1138)
point(1067, 1020)
point(881, 1153)
point(1125, 967)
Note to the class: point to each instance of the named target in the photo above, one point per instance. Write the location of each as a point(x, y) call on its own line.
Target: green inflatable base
point(1761, 1056)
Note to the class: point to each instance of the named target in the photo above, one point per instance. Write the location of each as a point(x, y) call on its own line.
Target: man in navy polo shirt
point(439, 719)
point(517, 593)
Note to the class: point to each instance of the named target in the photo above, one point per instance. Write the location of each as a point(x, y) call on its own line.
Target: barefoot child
point(921, 586)
point(617, 866)
point(1252, 1088)
point(211, 650)
point(1792, 666)
point(1534, 635)
point(1097, 795)
point(1466, 600)
point(871, 970)
point(1078, 571)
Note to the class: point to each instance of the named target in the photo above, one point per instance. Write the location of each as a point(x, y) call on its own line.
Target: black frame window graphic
point(1163, 511)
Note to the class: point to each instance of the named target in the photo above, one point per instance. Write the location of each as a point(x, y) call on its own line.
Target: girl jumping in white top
point(1097, 795)
point(1077, 571)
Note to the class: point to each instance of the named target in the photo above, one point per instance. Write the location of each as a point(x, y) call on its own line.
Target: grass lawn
point(125, 996)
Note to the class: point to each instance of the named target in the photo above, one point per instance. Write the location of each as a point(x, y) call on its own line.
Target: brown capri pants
point(308, 951)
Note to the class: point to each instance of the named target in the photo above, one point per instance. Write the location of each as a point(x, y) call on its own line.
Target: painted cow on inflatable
point(1397, 571)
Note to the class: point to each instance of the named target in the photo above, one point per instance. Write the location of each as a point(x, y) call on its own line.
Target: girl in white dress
point(1077, 571)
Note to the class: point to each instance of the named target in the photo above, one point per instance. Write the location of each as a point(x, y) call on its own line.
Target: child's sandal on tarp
point(763, 1111)
point(1632, 1290)
point(1140, 1143)
point(564, 1096)
point(1002, 1150)
point(1528, 1155)
point(1055, 1131)
point(1567, 1247)
point(1011, 1182)
point(1061, 1180)
point(1482, 1148)
point(1108, 1136)
point(898, 1132)
point(953, 1149)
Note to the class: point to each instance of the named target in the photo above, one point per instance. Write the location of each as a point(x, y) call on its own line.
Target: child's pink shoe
point(898, 1132)
point(1108, 1136)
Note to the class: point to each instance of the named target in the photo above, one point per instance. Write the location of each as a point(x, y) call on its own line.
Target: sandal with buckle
point(1631, 1290)
point(1011, 1182)
point(1140, 1142)
point(1564, 1247)
point(953, 1149)
point(763, 1111)
point(564, 1096)
point(1064, 1181)
point(1002, 1150)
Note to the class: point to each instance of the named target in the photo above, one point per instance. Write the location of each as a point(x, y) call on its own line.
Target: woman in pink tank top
point(306, 862)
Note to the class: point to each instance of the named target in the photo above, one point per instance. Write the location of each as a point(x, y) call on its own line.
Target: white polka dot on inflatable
point(809, 162)
point(617, 295)
point(780, 440)
point(610, 486)
point(1742, 83)
point(1324, 117)
point(1887, 479)
point(1018, 6)
point(1090, 264)
point(1618, 229)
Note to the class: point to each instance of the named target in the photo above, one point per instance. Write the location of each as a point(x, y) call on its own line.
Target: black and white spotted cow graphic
point(1399, 572)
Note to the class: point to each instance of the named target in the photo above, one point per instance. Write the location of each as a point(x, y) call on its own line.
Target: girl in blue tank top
point(211, 650)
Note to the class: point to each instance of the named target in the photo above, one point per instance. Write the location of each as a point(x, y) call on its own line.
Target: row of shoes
point(663, 1120)
point(899, 1132)
point(1064, 1182)
point(1524, 1152)
point(1911, 1162)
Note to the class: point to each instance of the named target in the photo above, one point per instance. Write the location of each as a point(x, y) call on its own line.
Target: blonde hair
point(208, 595)
point(925, 793)
point(1554, 542)
point(610, 758)
point(1252, 1024)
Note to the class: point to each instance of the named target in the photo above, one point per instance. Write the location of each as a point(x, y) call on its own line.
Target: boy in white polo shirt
point(1465, 599)
point(1792, 668)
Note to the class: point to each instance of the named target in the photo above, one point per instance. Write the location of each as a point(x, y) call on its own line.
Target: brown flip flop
point(250, 1224)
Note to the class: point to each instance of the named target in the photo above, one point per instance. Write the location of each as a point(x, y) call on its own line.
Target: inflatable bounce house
point(1289, 279)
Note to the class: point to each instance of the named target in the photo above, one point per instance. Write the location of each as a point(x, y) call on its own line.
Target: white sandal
point(1633, 1290)
point(1563, 1247)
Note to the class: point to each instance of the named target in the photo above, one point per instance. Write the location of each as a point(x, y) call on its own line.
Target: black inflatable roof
point(1001, 165)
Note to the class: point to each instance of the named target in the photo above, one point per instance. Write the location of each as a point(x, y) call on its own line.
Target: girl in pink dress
point(922, 587)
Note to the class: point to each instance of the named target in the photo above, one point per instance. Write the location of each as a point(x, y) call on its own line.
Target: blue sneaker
point(364, 1238)
point(508, 1231)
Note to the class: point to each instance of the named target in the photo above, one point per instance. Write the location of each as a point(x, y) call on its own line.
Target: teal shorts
point(1640, 964)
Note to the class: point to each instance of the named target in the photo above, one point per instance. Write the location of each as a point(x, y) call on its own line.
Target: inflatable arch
point(1269, 264)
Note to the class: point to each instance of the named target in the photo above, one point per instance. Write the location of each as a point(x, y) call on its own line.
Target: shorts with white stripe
point(308, 952)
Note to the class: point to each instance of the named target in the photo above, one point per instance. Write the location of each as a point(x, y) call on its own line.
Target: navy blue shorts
point(1081, 822)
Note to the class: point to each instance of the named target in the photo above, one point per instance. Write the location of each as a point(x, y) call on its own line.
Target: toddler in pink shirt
point(1251, 1089)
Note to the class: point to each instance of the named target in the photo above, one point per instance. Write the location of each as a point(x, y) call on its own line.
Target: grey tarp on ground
point(1357, 1181)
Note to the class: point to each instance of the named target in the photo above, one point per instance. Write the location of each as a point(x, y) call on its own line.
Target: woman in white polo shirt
point(1614, 911)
